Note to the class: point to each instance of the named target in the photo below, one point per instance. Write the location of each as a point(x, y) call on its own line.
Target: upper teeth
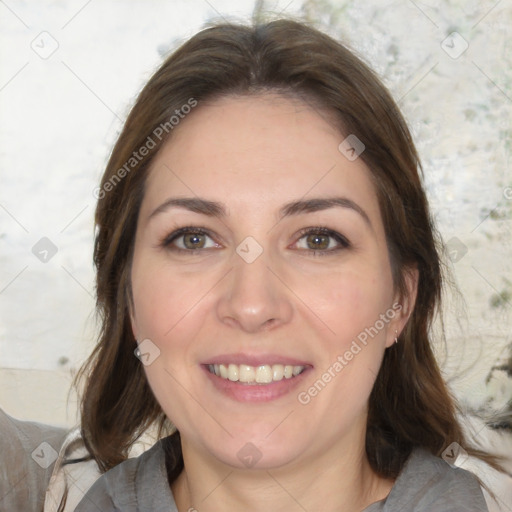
point(260, 374)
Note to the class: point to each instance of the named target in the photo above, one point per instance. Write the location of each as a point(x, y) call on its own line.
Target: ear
point(403, 305)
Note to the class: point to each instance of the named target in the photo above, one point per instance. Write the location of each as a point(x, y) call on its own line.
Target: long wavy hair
point(410, 404)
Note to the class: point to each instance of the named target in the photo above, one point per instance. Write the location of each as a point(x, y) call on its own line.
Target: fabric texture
point(425, 484)
point(137, 484)
point(28, 452)
point(70, 480)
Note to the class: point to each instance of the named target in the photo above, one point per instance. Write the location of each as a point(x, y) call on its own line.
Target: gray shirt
point(28, 452)
point(425, 484)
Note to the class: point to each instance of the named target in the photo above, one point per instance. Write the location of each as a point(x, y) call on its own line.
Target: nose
point(253, 298)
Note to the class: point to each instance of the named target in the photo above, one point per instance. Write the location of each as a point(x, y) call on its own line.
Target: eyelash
point(321, 230)
point(318, 230)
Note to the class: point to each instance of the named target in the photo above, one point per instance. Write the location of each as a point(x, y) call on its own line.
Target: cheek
point(169, 308)
point(163, 299)
point(352, 301)
point(351, 353)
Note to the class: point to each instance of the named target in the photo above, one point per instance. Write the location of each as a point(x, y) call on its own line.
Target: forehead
point(265, 149)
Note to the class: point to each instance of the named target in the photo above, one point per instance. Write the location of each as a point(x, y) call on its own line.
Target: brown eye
point(188, 240)
point(321, 241)
point(318, 241)
point(194, 240)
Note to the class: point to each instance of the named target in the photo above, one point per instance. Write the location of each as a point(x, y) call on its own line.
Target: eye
point(321, 240)
point(189, 239)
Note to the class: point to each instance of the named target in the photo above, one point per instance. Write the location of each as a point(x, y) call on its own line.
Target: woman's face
point(263, 296)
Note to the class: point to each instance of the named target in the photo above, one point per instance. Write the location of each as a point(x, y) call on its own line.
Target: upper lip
point(255, 359)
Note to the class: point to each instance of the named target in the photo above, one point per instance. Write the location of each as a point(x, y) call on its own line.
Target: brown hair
point(410, 404)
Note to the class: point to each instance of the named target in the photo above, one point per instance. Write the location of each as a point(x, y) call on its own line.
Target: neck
point(335, 480)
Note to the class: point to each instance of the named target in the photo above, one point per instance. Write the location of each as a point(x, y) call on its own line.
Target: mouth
point(255, 375)
point(255, 378)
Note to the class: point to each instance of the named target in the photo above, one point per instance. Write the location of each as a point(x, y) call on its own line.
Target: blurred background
point(70, 70)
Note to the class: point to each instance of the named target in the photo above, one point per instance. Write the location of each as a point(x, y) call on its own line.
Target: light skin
point(305, 297)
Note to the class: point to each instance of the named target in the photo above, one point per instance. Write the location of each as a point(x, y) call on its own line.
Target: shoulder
point(28, 451)
point(137, 484)
point(429, 483)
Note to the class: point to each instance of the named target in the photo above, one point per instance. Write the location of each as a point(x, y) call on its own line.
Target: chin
point(257, 450)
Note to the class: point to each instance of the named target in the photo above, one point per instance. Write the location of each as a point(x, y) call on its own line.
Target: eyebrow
point(216, 209)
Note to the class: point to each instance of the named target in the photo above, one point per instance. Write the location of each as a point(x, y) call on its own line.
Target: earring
point(396, 335)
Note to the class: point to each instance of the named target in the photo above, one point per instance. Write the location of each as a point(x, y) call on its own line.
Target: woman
point(264, 247)
point(264, 235)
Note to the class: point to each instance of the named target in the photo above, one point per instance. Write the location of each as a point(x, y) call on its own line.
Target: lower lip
point(242, 392)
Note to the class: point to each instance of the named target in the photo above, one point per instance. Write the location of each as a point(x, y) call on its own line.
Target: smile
point(262, 374)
